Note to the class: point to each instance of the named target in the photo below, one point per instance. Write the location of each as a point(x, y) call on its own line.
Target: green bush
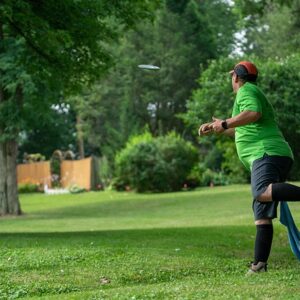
point(194, 178)
point(203, 176)
point(25, 188)
point(231, 166)
point(211, 178)
point(105, 172)
point(119, 184)
point(150, 164)
point(34, 157)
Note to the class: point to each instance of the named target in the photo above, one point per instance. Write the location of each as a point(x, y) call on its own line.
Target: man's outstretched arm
point(244, 118)
point(207, 128)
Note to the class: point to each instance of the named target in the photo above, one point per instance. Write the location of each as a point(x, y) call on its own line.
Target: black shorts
point(266, 170)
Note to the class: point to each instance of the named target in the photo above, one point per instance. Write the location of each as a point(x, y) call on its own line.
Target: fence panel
point(76, 172)
point(36, 173)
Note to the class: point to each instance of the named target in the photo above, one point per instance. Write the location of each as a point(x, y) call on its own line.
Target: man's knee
point(263, 221)
point(266, 196)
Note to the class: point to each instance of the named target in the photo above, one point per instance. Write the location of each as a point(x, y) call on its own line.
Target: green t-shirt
point(263, 136)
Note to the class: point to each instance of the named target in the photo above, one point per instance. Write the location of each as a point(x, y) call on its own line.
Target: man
point(263, 150)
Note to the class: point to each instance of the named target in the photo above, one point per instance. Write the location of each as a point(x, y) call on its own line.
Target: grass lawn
point(108, 245)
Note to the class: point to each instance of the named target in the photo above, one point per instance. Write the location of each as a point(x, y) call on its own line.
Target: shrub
point(154, 164)
point(55, 163)
point(194, 178)
point(34, 157)
point(211, 178)
point(105, 172)
point(120, 184)
point(28, 188)
point(231, 166)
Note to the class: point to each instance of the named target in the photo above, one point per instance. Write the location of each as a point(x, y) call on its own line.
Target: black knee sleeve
point(285, 192)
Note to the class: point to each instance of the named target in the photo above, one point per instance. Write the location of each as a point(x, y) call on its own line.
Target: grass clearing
point(108, 245)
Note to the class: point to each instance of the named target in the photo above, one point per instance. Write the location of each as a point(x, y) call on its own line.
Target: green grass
point(187, 245)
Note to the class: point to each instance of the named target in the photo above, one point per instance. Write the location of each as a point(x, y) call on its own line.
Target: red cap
point(246, 70)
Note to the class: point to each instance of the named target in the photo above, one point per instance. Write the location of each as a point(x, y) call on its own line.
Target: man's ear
point(236, 79)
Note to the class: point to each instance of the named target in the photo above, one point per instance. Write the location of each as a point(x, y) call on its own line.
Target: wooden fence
point(76, 172)
point(82, 173)
point(36, 173)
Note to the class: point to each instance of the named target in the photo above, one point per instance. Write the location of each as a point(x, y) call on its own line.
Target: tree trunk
point(80, 137)
point(3, 176)
point(9, 200)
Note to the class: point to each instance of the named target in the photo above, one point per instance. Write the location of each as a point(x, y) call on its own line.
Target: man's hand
point(217, 125)
point(205, 129)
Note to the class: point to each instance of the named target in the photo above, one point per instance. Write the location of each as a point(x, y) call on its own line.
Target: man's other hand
point(205, 129)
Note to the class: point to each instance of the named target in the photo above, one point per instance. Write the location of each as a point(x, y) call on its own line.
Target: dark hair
point(243, 75)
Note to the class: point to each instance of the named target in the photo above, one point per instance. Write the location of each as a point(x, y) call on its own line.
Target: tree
point(49, 49)
point(55, 131)
point(270, 27)
point(184, 35)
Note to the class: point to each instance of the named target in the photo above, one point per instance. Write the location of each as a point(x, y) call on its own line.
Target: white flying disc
point(149, 67)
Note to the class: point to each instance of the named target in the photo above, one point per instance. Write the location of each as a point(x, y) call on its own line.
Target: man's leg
point(280, 192)
point(262, 248)
point(263, 240)
point(264, 172)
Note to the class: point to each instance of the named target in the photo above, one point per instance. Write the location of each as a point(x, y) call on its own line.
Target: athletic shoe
point(260, 267)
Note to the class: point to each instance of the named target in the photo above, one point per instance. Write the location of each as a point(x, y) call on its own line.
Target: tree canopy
point(50, 49)
point(183, 36)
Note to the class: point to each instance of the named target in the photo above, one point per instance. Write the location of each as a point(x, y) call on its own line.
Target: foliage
point(201, 175)
point(234, 171)
point(34, 157)
point(50, 48)
point(105, 172)
point(270, 40)
point(265, 26)
point(28, 188)
point(278, 80)
point(211, 178)
point(56, 130)
point(69, 37)
point(55, 168)
point(182, 37)
point(56, 48)
point(159, 164)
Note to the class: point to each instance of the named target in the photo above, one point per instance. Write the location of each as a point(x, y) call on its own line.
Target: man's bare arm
point(244, 118)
